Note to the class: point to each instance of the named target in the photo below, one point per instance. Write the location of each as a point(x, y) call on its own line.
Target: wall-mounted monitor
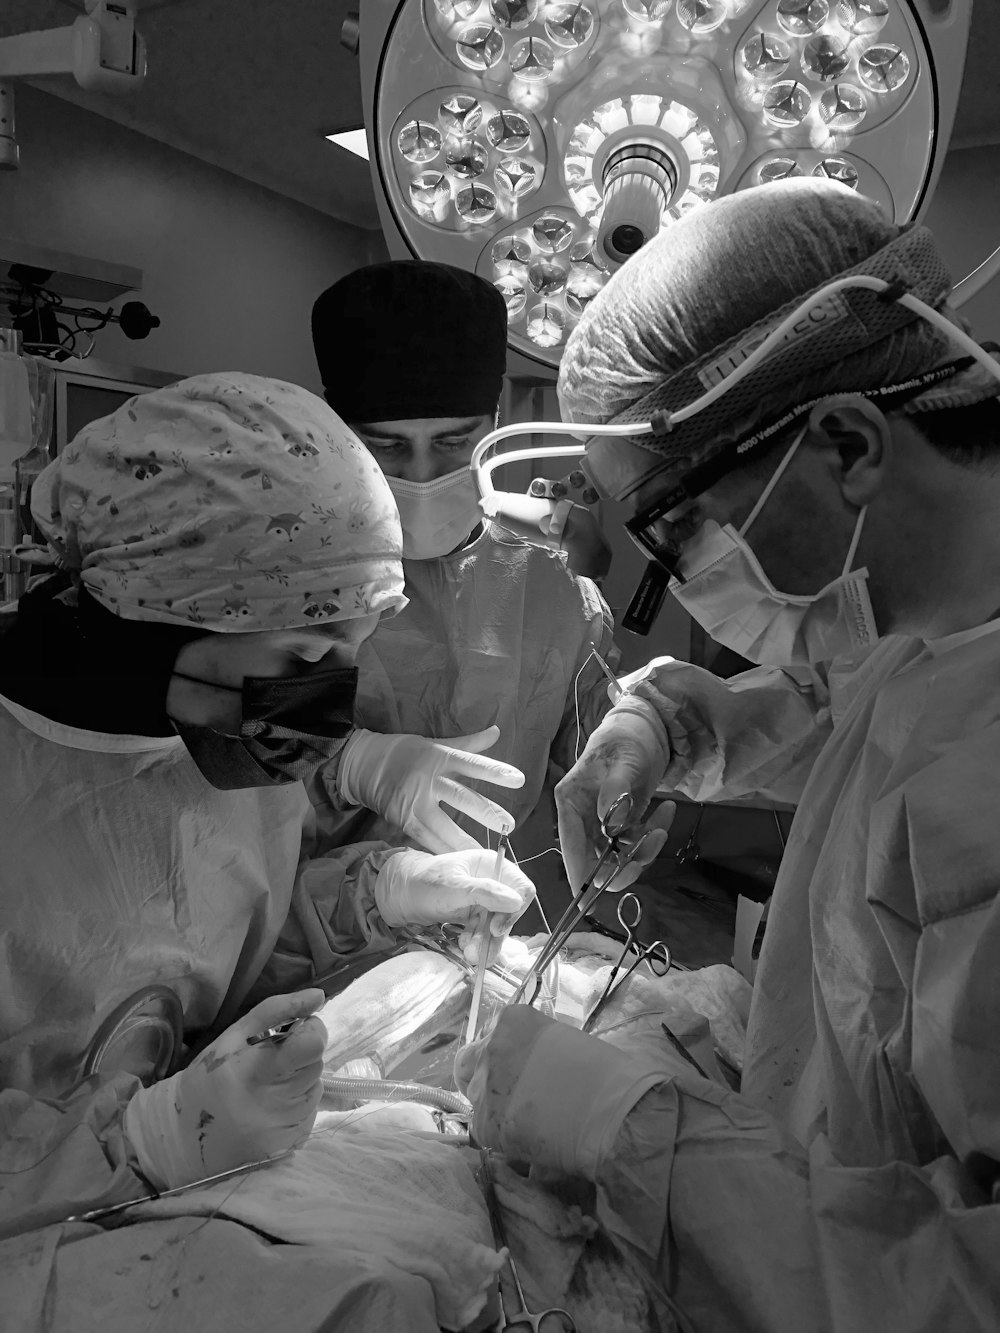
point(86, 390)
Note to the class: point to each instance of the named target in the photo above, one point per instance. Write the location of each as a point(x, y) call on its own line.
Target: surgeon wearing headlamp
point(828, 509)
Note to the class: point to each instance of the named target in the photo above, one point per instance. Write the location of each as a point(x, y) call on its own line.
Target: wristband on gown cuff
point(345, 763)
point(568, 1104)
point(151, 1126)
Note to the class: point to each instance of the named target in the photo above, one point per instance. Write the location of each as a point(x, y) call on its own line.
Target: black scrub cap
point(410, 339)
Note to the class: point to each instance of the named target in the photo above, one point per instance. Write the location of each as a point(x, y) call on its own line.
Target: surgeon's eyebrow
point(462, 428)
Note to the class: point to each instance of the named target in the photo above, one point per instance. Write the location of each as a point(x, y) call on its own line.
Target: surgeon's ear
point(858, 439)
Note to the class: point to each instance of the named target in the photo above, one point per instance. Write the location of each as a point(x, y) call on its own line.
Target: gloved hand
point(546, 1094)
point(406, 779)
point(627, 752)
point(416, 889)
point(234, 1103)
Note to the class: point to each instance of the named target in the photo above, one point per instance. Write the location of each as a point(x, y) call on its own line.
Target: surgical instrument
point(96, 1214)
point(613, 826)
point(278, 1033)
point(682, 1050)
point(613, 679)
point(656, 955)
point(484, 950)
point(546, 1321)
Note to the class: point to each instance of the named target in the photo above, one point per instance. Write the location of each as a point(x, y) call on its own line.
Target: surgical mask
point(727, 592)
point(291, 726)
point(437, 516)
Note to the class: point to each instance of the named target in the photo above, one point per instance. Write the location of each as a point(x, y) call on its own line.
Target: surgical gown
point(499, 632)
point(122, 867)
point(848, 1187)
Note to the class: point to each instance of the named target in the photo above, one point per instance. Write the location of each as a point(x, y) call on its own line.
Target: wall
point(230, 268)
point(965, 217)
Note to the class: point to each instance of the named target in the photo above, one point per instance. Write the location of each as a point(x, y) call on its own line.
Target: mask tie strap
point(774, 480)
point(852, 550)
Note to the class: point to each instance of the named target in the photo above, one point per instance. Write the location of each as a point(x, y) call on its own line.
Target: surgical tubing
point(386, 1090)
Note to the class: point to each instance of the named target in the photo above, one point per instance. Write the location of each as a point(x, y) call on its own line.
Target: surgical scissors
point(546, 1321)
point(613, 826)
point(655, 955)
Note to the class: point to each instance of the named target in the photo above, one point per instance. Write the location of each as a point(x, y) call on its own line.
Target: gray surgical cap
point(688, 308)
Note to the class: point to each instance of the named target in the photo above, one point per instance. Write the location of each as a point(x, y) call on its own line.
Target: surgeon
point(497, 632)
point(829, 511)
point(226, 546)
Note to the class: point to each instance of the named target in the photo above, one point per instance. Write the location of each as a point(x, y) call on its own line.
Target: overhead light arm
point(101, 49)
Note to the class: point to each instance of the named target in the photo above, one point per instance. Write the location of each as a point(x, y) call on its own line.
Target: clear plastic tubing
point(386, 1090)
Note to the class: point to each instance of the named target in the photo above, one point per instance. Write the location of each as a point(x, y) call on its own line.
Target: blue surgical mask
point(290, 727)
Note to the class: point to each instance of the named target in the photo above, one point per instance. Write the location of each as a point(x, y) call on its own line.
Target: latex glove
point(416, 889)
point(234, 1103)
point(546, 1094)
point(627, 752)
point(406, 779)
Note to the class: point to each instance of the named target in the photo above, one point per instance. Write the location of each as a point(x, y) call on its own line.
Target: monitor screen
point(87, 402)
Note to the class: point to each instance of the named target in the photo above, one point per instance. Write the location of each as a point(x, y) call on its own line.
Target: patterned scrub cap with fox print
point(228, 501)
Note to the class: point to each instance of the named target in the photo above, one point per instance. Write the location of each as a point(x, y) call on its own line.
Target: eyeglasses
point(654, 529)
point(659, 532)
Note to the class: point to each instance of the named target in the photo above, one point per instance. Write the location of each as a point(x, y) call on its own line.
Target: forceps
point(546, 1321)
point(657, 955)
point(613, 826)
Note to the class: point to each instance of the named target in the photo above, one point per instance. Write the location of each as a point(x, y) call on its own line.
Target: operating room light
point(540, 143)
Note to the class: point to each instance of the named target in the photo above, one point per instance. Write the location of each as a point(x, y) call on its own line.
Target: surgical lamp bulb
point(838, 169)
point(647, 11)
point(532, 59)
point(842, 107)
point(457, 9)
point(430, 194)
point(466, 160)
point(508, 132)
point(701, 16)
point(476, 204)
point(460, 115)
point(801, 18)
point(546, 325)
point(546, 277)
point(513, 293)
point(825, 58)
point(863, 18)
point(786, 104)
point(515, 177)
point(569, 25)
point(584, 282)
point(883, 69)
point(511, 255)
point(479, 47)
point(514, 13)
point(552, 233)
point(765, 57)
point(778, 169)
point(419, 142)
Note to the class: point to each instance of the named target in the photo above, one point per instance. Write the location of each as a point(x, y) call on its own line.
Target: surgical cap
point(229, 502)
point(410, 339)
point(680, 316)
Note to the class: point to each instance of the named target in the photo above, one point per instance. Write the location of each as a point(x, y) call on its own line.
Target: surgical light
point(542, 143)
